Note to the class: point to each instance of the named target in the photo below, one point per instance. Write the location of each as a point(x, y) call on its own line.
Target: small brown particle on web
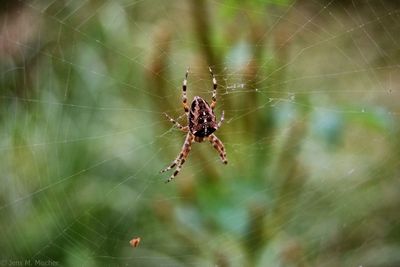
point(135, 242)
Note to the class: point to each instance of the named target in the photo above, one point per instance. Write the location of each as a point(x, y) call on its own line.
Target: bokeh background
point(310, 91)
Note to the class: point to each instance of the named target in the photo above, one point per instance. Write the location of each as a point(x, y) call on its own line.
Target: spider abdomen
point(202, 121)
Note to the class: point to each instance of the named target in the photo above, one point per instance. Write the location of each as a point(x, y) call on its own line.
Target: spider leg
point(177, 124)
point(214, 95)
point(219, 146)
point(184, 96)
point(173, 164)
point(180, 159)
point(177, 170)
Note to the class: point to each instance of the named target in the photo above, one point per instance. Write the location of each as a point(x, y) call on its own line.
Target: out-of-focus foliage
point(310, 94)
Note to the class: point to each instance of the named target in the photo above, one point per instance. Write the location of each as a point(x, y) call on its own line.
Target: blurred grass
point(310, 95)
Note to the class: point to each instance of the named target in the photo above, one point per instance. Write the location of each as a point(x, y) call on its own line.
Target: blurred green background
point(310, 91)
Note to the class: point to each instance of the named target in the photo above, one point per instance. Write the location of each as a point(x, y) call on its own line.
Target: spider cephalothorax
point(202, 124)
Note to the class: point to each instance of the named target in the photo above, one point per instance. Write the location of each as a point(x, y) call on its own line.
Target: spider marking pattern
point(202, 123)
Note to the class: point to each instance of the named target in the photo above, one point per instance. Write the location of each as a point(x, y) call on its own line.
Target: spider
point(201, 125)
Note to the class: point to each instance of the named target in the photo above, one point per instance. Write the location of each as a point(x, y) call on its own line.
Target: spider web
point(310, 95)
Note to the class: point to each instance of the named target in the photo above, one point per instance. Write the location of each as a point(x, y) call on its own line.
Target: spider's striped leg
point(214, 95)
point(187, 145)
point(219, 146)
point(177, 124)
point(184, 96)
point(178, 169)
point(222, 119)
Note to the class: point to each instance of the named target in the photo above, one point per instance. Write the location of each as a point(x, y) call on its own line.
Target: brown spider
point(201, 125)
